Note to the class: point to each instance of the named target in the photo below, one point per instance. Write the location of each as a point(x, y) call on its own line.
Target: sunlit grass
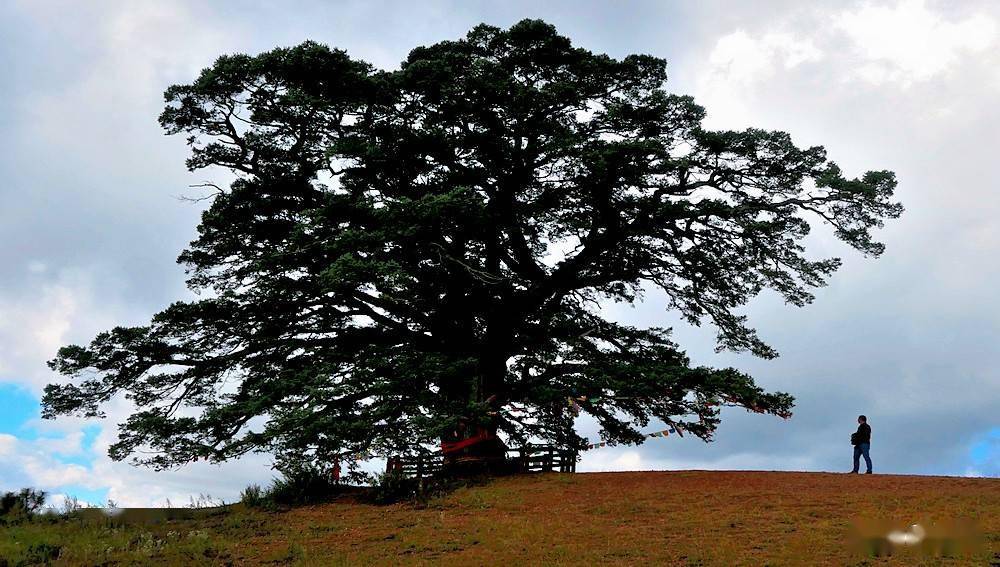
point(702, 518)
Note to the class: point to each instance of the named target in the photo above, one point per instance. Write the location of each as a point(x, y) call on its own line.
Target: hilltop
point(674, 518)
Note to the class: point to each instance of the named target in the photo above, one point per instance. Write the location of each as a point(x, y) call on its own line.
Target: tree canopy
point(408, 254)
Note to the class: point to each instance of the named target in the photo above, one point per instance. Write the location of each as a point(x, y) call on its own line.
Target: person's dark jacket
point(862, 435)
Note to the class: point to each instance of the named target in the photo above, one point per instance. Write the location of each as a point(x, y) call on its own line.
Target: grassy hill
point(672, 518)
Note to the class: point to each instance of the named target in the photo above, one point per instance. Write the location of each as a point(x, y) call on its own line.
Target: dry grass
point(656, 518)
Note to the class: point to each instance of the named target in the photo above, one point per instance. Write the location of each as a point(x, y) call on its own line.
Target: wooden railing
point(545, 458)
point(530, 458)
point(416, 467)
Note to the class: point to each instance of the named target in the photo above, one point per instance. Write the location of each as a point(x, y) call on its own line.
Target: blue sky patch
point(89, 496)
point(19, 406)
point(985, 453)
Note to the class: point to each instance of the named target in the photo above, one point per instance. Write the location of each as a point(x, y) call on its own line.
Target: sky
point(92, 219)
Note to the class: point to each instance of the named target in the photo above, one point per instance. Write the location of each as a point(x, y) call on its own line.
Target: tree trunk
point(476, 446)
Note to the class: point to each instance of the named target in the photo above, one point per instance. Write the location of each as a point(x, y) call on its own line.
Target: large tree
point(419, 255)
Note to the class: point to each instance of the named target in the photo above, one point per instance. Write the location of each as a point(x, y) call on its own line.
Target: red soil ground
point(657, 518)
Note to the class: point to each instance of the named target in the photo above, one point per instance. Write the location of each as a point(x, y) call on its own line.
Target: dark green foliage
point(253, 496)
point(302, 484)
point(38, 553)
point(20, 506)
point(42, 553)
point(391, 487)
point(406, 253)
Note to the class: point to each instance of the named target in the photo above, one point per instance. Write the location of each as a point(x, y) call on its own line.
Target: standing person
point(862, 441)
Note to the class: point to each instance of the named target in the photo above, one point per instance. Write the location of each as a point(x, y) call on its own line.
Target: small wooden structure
point(545, 458)
point(418, 467)
point(527, 459)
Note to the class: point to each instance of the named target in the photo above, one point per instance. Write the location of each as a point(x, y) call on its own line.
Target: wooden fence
point(417, 467)
point(527, 459)
point(545, 458)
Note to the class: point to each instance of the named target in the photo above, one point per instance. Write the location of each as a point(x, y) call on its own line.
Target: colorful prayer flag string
point(673, 429)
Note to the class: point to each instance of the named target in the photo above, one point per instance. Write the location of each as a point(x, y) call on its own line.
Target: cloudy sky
point(91, 219)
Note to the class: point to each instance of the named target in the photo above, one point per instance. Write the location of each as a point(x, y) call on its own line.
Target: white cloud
point(739, 61)
point(32, 329)
point(656, 454)
point(138, 49)
point(744, 59)
point(29, 463)
point(39, 463)
point(70, 444)
point(37, 267)
point(835, 54)
point(8, 443)
point(36, 321)
point(909, 42)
